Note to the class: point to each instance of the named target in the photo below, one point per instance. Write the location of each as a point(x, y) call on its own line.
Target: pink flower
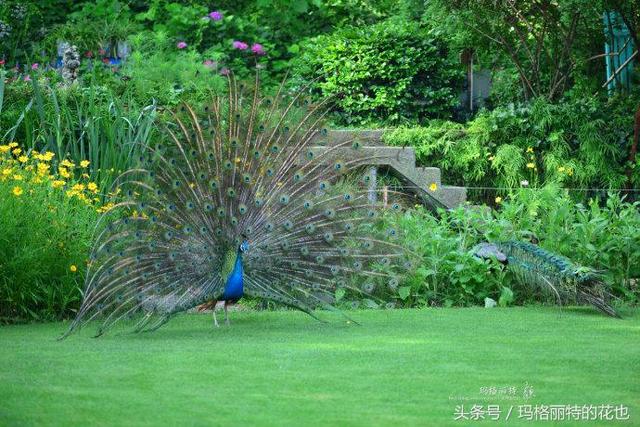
point(258, 49)
point(105, 60)
point(35, 66)
point(88, 54)
point(102, 52)
point(225, 71)
point(215, 15)
point(181, 45)
point(210, 64)
point(1, 61)
point(27, 78)
point(240, 45)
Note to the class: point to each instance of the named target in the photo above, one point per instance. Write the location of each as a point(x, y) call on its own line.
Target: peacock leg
point(215, 321)
point(226, 313)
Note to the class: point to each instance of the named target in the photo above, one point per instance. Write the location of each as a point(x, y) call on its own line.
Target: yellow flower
point(561, 169)
point(73, 268)
point(491, 158)
point(17, 191)
point(498, 200)
point(17, 177)
point(570, 171)
point(6, 171)
point(47, 156)
point(17, 151)
point(78, 187)
point(92, 187)
point(13, 144)
point(4, 148)
point(23, 159)
point(433, 186)
point(84, 163)
point(66, 163)
point(531, 165)
point(43, 169)
point(64, 172)
point(530, 150)
point(57, 183)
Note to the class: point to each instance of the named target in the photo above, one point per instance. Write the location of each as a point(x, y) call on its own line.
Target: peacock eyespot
point(323, 185)
point(307, 204)
point(231, 192)
point(310, 228)
point(228, 164)
point(258, 202)
point(246, 178)
point(213, 185)
point(242, 209)
point(208, 207)
point(221, 212)
point(268, 226)
point(328, 237)
point(288, 225)
point(275, 149)
point(284, 199)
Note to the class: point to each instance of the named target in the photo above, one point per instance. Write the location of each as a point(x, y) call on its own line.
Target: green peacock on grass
point(236, 201)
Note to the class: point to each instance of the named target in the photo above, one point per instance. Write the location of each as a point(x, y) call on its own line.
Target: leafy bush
point(581, 143)
point(392, 72)
point(605, 237)
point(47, 216)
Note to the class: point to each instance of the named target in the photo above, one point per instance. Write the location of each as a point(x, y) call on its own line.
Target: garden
point(407, 212)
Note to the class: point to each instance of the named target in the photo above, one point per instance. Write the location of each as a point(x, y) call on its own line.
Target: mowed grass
point(399, 367)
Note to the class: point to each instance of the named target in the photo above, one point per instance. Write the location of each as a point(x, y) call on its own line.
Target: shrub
point(581, 143)
point(602, 236)
point(47, 216)
point(392, 72)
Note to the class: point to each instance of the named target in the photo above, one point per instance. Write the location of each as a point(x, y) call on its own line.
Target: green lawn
point(402, 367)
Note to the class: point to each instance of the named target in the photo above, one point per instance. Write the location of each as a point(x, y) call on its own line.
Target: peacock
point(239, 197)
point(536, 267)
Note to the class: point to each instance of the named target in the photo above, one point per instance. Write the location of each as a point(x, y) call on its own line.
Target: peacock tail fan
point(567, 281)
point(241, 167)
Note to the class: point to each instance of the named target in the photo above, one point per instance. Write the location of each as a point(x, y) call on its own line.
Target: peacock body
point(236, 200)
point(537, 267)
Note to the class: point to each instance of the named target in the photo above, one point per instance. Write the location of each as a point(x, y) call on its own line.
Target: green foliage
point(159, 73)
point(392, 72)
point(77, 122)
point(96, 24)
point(581, 143)
point(605, 237)
point(45, 238)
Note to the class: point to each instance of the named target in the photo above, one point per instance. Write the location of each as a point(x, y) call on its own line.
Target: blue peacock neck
point(234, 288)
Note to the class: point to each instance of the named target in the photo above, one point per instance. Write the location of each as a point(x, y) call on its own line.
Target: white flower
point(524, 183)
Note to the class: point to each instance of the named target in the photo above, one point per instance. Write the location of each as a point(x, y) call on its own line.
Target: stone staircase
point(424, 182)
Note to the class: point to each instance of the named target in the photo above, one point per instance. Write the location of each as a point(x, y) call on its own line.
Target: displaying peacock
point(565, 280)
point(236, 199)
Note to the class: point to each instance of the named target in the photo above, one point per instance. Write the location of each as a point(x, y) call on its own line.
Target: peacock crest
point(244, 171)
